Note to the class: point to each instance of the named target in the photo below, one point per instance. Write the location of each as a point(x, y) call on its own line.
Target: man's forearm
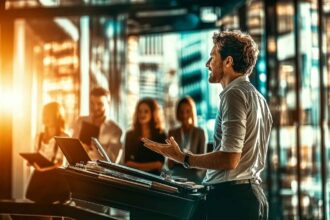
point(215, 160)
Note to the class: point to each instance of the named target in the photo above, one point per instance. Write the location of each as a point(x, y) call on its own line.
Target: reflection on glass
point(60, 76)
point(285, 12)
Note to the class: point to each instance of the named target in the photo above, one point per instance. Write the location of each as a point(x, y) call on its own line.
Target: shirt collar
point(235, 82)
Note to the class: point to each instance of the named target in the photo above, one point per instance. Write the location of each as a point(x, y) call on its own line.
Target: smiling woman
point(146, 124)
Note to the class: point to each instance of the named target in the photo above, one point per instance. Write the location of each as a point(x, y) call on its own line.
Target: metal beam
point(108, 10)
point(202, 26)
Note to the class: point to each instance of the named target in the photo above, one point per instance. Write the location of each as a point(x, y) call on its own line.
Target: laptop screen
point(73, 150)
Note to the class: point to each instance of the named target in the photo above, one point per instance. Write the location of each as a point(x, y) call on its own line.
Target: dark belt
point(234, 182)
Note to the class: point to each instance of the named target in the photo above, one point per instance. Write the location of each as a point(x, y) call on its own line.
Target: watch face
point(186, 161)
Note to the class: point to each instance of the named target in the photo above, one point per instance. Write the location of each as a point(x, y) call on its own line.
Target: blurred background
point(57, 50)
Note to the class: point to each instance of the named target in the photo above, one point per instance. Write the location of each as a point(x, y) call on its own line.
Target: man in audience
point(98, 124)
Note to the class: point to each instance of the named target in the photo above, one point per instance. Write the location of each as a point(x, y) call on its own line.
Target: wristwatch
point(186, 163)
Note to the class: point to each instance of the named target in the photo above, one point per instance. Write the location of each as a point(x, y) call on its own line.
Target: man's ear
point(229, 61)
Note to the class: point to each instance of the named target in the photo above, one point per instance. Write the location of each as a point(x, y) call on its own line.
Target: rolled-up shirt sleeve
point(234, 112)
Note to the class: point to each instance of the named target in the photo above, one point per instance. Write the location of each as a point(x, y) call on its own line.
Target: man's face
point(215, 65)
point(98, 106)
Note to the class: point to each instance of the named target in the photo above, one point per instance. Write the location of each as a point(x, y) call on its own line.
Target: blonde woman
point(189, 137)
point(45, 184)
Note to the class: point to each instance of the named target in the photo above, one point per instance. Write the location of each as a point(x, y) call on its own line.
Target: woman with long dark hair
point(147, 123)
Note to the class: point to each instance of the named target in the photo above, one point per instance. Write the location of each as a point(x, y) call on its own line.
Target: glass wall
point(295, 170)
point(309, 90)
point(45, 68)
point(288, 73)
point(59, 59)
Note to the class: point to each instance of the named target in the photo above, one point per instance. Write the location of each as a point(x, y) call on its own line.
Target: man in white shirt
point(98, 122)
point(241, 134)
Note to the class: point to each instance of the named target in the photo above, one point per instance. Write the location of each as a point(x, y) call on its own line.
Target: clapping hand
point(171, 149)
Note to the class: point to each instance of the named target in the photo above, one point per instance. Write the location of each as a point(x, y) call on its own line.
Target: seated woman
point(189, 137)
point(45, 185)
point(146, 124)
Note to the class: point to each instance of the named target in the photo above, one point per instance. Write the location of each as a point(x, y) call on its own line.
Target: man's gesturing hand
point(170, 150)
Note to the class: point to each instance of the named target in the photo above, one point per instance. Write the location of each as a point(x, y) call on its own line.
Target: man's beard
point(213, 79)
point(98, 119)
point(98, 115)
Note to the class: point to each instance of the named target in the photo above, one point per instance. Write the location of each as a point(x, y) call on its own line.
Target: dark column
point(6, 64)
point(273, 175)
point(242, 17)
point(323, 151)
point(297, 25)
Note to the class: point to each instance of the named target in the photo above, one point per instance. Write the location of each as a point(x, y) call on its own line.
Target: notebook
point(37, 158)
point(73, 150)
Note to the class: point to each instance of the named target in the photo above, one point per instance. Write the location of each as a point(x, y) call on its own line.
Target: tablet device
point(73, 150)
point(37, 158)
point(88, 131)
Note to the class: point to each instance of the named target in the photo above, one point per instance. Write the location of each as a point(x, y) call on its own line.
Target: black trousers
point(237, 202)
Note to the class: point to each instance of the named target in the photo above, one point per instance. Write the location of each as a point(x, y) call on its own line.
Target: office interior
point(60, 49)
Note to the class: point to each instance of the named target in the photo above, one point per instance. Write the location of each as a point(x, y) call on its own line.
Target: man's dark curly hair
point(240, 46)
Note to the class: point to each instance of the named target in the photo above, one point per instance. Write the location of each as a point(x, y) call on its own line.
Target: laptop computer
point(73, 150)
